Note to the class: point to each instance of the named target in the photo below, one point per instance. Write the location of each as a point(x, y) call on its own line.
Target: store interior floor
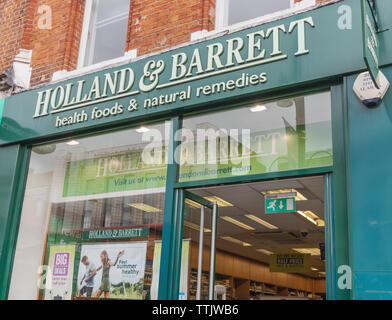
point(248, 237)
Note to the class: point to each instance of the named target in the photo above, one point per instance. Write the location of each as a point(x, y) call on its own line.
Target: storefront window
point(259, 138)
point(92, 219)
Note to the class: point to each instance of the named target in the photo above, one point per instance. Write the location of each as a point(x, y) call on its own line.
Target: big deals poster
point(124, 280)
point(60, 272)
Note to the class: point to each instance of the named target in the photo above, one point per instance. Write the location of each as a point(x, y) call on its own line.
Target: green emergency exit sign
point(279, 205)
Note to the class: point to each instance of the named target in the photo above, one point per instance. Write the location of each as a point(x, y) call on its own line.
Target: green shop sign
point(371, 40)
point(124, 233)
point(291, 51)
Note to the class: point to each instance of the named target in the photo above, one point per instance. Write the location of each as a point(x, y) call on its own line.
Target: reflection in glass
point(284, 135)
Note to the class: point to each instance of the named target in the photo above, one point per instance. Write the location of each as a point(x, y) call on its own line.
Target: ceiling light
point(144, 207)
point(258, 108)
point(311, 251)
point(220, 202)
point(285, 103)
point(45, 149)
point(73, 143)
point(311, 214)
point(303, 214)
point(313, 269)
point(194, 226)
point(237, 223)
point(142, 130)
point(236, 241)
point(193, 204)
point(283, 193)
point(261, 221)
point(320, 223)
point(267, 252)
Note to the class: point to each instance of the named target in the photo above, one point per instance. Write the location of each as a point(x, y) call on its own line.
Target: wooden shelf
point(249, 279)
point(219, 280)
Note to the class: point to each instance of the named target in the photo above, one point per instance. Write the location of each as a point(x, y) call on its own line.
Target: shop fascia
point(234, 54)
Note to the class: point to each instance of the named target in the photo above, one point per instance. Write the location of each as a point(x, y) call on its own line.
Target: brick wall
point(153, 25)
point(53, 49)
point(159, 24)
point(13, 16)
point(56, 48)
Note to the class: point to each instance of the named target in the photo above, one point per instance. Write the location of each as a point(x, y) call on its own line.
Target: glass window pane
point(110, 40)
point(109, 8)
point(108, 34)
point(92, 218)
point(242, 10)
point(283, 135)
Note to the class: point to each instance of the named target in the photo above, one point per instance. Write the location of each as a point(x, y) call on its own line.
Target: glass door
point(199, 232)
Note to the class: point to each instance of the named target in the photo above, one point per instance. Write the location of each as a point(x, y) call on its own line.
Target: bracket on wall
point(372, 5)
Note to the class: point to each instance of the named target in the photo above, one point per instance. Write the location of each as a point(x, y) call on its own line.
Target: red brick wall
point(56, 48)
point(159, 24)
point(13, 15)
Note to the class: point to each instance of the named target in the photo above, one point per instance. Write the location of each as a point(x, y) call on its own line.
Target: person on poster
point(106, 265)
point(88, 278)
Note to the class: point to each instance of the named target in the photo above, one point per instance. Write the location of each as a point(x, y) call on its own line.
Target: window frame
point(222, 13)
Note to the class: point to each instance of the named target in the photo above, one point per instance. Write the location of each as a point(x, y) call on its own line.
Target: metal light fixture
point(236, 241)
point(265, 251)
point(219, 201)
point(46, 149)
point(237, 223)
point(261, 221)
point(311, 251)
point(144, 207)
point(285, 103)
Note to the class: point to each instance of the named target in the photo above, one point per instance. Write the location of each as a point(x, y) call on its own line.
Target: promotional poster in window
point(112, 271)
